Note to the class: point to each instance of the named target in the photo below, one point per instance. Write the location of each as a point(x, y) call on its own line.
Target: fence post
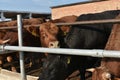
point(21, 54)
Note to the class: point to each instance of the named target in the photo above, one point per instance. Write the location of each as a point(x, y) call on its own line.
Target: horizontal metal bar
point(72, 23)
point(94, 53)
point(91, 22)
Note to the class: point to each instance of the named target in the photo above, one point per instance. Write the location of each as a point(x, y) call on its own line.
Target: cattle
point(110, 67)
point(30, 38)
point(50, 28)
point(4, 41)
point(93, 36)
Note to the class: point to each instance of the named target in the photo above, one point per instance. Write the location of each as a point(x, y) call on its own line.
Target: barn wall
point(79, 9)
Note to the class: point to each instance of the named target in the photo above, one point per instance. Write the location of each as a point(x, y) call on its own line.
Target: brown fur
point(29, 36)
point(111, 65)
point(48, 31)
point(66, 19)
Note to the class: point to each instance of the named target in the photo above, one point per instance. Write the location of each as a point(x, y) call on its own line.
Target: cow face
point(48, 35)
point(100, 73)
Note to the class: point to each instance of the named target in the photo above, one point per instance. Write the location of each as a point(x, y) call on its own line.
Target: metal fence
point(21, 48)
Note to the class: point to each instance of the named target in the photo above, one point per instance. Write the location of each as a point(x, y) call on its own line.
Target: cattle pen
point(95, 53)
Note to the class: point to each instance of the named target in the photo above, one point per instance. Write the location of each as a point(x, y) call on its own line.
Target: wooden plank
point(8, 75)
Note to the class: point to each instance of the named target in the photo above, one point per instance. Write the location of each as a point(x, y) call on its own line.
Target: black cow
point(93, 36)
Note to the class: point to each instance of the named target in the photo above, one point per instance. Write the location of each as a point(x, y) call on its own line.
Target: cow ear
point(90, 69)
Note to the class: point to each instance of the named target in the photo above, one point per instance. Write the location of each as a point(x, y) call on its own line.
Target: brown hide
point(66, 19)
point(99, 74)
point(31, 29)
point(110, 65)
point(113, 64)
point(48, 33)
point(12, 33)
point(30, 36)
point(32, 21)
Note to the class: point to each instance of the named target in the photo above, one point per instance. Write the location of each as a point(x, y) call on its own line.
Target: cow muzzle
point(106, 76)
point(54, 44)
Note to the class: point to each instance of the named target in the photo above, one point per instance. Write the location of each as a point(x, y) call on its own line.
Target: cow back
point(113, 64)
point(88, 32)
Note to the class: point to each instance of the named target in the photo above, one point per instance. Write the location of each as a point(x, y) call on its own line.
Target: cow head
point(48, 35)
point(100, 73)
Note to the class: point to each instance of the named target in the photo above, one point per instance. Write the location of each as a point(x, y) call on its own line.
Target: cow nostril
point(51, 44)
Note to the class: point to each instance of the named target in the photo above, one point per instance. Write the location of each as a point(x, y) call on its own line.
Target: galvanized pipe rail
point(20, 42)
point(85, 52)
point(73, 23)
point(19, 27)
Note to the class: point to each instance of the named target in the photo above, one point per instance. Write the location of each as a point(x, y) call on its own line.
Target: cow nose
point(54, 44)
point(108, 75)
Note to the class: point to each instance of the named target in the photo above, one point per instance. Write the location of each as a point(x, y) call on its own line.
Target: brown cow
point(66, 19)
point(110, 67)
point(49, 31)
point(30, 38)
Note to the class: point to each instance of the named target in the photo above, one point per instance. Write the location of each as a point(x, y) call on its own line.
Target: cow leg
point(10, 60)
point(82, 73)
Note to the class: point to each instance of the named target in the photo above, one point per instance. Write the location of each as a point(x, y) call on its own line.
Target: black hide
point(93, 36)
